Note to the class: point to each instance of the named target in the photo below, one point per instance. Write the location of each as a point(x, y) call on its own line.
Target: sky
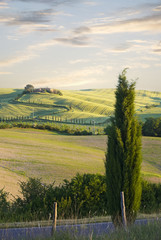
point(80, 44)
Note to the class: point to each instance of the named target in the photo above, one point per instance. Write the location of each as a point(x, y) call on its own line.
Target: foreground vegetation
point(82, 196)
point(150, 231)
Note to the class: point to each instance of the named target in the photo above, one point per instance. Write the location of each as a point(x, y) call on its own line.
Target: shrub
point(152, 127)
point(4, 205)
point(87, 193)
point(148, 201)
point(83, 196)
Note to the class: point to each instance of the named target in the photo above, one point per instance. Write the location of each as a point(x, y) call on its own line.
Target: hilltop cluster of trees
point(30, 89)
point(82, 196)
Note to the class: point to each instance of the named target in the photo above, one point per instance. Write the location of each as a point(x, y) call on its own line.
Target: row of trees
point(62, 128)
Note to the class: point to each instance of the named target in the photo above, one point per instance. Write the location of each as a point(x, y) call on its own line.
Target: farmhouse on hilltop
point(30, 89)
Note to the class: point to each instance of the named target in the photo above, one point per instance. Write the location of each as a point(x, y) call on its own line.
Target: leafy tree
point(123, 157)
point(148, 199)
point(33, 198)
point(152, 127)
point(29, 88)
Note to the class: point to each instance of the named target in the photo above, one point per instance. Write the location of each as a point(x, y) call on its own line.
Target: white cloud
point(75, 78)
point(5, 73)
point(17, 59)
point(158, 64)
point(31, 52)
point(150, 59)
point(3, 5)
point(136, 46)
point(79, 61)
point(26, 29)
point(91, 3)
point(157, 48)
point(5, 19)
point(137, 65)
point(157, 9)
point(150, 23)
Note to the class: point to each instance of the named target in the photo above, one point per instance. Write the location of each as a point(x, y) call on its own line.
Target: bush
point(4, 205)
point(152, 127)
point(148, 201)
point(87, 194)
point(83, 196)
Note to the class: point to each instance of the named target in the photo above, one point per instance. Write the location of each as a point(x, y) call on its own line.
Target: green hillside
point(54, 157)
point(93, 104)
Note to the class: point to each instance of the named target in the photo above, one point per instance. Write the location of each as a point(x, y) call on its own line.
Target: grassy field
point(54, 157)
point(93, 104)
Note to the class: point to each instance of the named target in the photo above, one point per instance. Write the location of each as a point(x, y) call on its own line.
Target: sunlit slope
point(53, 157)
point(97, 104)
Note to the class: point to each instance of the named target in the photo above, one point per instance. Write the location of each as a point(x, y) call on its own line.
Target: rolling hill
point(54, 157)
point(91, 104)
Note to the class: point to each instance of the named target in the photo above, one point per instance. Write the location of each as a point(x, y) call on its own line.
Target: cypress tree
point(123, 157)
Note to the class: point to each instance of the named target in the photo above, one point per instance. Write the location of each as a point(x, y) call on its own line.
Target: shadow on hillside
point(144, 116)
point(86, 90)
point(156, 99)
point(9, 96)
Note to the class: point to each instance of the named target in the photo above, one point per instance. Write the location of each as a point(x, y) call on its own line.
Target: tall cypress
point(123, 157)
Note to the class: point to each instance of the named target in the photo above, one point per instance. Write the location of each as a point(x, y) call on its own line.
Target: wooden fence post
point(123, 211)
point(54, 218)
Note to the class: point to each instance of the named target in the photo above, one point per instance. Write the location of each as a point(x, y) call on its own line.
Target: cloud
point(158, 64)
point(91, 3)
point(3, 5)
point(25, 29)
point(157, 9)
point(150, 59)
point(34, 50)
point(76, 78)
point(138, 41)
point(17, 59)
point(31, 52)
point(157, 48)
point(30, 21)
point(125, 47)
point(31, 17)
point(4, 19)
point(79, 41)
point(146, 24)
point(151, 23)
point(136, 65)
point(137, 46)
point(82, 29)
point(79, 61)
point(51, 2)
point(5, 73)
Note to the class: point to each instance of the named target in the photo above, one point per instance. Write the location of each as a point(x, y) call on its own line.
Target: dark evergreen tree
point(123, 157)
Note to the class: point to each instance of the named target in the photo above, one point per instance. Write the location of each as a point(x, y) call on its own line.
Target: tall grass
point(150, 231)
